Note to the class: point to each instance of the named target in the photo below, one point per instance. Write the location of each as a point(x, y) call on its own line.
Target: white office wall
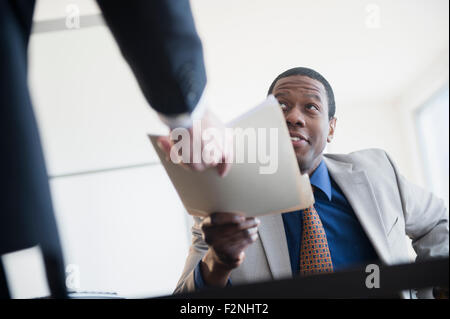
point(56, 9)
point(92, 114)
point(125, 230)
point(124, 227)
point(391, 124)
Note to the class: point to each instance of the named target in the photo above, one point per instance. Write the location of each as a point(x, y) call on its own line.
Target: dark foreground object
point(347, 284)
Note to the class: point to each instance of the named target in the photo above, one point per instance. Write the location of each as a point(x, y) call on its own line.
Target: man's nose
point(295, 117)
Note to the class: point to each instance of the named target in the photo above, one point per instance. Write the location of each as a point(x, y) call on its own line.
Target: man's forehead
point(299, 82)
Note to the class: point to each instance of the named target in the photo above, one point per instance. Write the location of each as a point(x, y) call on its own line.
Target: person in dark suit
point(159, 41)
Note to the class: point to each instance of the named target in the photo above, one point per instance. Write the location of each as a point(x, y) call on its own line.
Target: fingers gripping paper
point(264, 177)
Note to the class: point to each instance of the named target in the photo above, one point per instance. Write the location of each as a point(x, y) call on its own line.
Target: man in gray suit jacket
point(366, 207)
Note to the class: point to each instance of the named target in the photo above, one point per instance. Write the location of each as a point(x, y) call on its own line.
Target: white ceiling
point(248, 43)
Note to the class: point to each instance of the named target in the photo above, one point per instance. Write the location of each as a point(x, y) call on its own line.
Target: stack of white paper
point(264, 178)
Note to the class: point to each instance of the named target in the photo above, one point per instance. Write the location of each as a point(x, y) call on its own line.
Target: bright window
point(433, 131)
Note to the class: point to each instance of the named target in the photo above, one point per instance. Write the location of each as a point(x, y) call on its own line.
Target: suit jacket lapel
point(273, 237)
point(357, 189)
point(359, 193)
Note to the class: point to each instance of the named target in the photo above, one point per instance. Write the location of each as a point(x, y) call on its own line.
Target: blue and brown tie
point(314, 252)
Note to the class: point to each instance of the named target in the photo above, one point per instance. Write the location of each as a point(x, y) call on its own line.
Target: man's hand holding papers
point(206, 142)
point(227, 236)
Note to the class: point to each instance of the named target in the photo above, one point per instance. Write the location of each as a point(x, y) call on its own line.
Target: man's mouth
point(298, 139)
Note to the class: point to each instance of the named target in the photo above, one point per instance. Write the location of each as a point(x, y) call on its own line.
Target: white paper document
point(264, 177)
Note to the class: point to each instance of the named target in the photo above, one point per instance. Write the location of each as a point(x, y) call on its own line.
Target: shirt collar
point(321, 179)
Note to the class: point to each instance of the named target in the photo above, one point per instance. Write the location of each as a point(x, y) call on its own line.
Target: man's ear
point(331, 128)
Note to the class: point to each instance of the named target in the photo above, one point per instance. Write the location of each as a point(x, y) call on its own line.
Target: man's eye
point(312, 106)
point(283, 106)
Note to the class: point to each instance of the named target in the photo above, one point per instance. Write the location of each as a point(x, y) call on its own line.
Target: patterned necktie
point(315, 255)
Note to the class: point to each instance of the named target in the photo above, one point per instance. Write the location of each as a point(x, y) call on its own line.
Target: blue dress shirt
point(348, 243)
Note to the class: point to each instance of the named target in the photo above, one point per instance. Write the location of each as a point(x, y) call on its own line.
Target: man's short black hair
point(313, 75)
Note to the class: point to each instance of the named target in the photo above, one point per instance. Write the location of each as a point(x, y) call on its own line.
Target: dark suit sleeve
point(198, 279)
point(159, 41)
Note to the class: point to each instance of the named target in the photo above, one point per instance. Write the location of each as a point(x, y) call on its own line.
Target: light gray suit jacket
point(387, 206)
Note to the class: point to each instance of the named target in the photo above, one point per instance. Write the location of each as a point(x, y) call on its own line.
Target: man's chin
point(308, 163)
point(303, 163)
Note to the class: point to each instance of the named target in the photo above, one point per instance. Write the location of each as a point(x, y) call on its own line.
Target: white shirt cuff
point(186, 119)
